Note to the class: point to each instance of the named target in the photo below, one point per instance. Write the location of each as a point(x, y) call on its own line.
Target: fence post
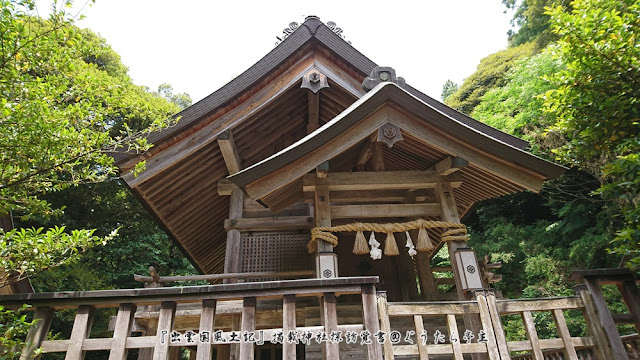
point(385, 324)
point(38, 332)
point(602, 351)
point(488, 323)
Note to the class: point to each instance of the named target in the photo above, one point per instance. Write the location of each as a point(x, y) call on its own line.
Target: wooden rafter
point(229, 152)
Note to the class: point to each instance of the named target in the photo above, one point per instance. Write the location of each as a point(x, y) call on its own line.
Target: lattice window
point(275, 251)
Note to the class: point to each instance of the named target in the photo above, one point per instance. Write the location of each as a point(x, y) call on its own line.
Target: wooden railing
point(489, 338)
point(167, 299)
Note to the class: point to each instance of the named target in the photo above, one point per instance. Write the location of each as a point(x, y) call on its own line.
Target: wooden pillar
point(124, 321)
point(233, 251)
point(444, 195)
point(80, 332)
point(406, 272)
point(326, 260)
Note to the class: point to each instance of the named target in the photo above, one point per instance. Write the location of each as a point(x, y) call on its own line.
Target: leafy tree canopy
point(532, 21)
point(448, 89)
point(596, 99)
point(490, 74)
point(66, 100)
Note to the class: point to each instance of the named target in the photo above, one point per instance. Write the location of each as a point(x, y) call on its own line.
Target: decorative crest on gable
point(381, 74)
point(314, 81)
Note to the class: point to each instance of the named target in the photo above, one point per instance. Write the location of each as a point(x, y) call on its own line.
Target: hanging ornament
point(412, 249)
point(360, 246)
point(390, 246)
point(424, 243)
point(376, 253)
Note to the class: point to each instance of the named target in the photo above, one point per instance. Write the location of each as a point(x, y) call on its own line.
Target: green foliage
point(448, 89)
point(596, 101)
point(183, 100)
point(490, 74)
point(29, 251)
point(14, 326)
point(532, 21)
point(66, 101)
point(516, 107)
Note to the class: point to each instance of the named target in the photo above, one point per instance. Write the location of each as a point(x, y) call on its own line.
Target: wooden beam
point(378, 196)
point(248, 325)
point(381, 180)
point(226, 187)
point(285, 223)
point(313, 111)
point(338, 76)
point(385, 210)
point(322, 170)
point(229, 152)
point(449, 165)
point(192, 143)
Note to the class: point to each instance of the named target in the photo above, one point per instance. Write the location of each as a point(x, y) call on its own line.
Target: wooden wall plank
point(384, 210)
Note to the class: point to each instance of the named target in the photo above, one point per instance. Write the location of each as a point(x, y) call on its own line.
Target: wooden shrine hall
point(312, 191)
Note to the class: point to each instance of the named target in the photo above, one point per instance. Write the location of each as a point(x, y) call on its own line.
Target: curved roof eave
point(371, 101)
point(312, 28)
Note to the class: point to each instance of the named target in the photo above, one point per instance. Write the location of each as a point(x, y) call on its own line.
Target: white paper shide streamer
point(376, 252)
point(412, 249)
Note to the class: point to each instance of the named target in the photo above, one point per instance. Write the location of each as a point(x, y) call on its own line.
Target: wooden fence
point(486, 312)
point(167, 300)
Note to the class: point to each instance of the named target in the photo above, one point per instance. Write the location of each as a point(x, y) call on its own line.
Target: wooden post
point(454, 337)
point(38, 332)
point(609, 326)
point(326, 264)
point(313, 111)
point(532, 335)
point(422, 346)
point(330, 321)
point(122, 330)
point(81, 330)
point(602, 349)
point(207, 318)
point(371, 320)
point(498, 331)
point(444, 195)
point(236, 325)
point(288, 324)
point(165, 325)
point(631, 297)
point(427, 282)
point(488, 326)
point(563, 330)
point(385, 325)
point(248, 325)
point(233, 251)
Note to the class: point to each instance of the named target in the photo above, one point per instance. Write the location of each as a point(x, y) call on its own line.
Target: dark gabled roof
point(311, 30)
point(382, 94)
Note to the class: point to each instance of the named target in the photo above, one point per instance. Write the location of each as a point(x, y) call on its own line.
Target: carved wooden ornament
point(314, 81)
point(389, 134)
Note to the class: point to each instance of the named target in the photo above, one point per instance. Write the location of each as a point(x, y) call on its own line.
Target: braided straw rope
point(457, 231)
